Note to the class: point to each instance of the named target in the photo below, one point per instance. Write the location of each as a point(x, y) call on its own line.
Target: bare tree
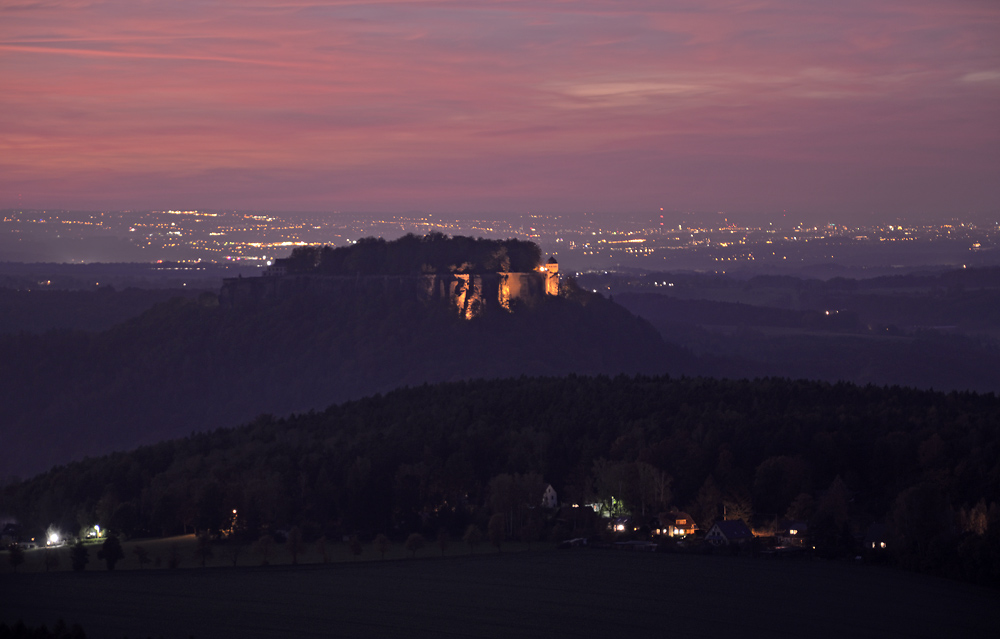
point(382, 544)
point(263, 547)
point(415, 542)
point(173, 556)
point(235, 550)
point(497, 530)
point(355, 547)
point(294, 543)
point(321, 548)
point(473, 536)
point(51, 559)
point(15, 556)
point(204, 548)
point(443, 539)
point(705, 508)
point(142, 555)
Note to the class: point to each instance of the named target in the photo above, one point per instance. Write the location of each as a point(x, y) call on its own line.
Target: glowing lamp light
point(53, 539)
point(793, 532)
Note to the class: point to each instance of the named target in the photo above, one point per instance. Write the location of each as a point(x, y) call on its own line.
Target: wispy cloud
point(981, 76)
point(328, 90)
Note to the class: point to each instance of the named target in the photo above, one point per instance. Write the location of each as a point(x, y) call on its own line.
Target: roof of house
point(733, 529)
point(671, 519)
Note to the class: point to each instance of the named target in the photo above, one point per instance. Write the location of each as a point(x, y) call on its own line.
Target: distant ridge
point(190, 365)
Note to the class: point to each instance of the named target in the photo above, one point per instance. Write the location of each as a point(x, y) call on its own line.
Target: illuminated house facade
point(677, 524)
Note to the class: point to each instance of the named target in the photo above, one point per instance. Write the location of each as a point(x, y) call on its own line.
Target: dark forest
point(839, 456)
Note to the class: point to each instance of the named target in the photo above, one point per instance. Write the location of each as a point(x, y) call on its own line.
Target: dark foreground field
point(544, 594)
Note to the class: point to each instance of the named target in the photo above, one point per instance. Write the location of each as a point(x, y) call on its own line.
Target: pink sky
point(838, 110)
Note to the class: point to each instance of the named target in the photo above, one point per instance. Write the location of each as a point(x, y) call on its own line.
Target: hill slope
point(838, 456)
point(190, 365)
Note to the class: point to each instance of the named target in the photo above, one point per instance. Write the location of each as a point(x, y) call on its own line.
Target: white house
point(725, 533)
point(549, 498)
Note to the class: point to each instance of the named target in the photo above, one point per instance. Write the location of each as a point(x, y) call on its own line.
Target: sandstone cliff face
point(469, 293)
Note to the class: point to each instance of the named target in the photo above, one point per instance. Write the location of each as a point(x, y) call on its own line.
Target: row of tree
point(412, 254)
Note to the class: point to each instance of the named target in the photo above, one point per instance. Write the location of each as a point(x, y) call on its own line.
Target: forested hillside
point(190, 365)
point(838, 456)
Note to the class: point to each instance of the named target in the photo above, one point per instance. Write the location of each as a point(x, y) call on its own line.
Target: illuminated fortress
point(470, 293)
point(472, 280)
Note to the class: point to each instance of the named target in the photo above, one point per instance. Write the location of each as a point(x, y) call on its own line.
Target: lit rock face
point(469, 293)
point(472, 293)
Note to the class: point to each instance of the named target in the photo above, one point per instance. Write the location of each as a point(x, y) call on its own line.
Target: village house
point(729, 532)
point(676, 524)
point(792, 532)
point(877, 537)
point(549, 498)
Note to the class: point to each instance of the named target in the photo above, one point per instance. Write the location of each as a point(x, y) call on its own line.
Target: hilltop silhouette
point(193, 364)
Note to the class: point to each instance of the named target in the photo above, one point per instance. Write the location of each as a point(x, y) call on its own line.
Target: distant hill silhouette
point(190, 365)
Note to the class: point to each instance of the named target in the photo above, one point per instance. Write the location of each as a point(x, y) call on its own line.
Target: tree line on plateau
point(412, 254)
point(449, 456)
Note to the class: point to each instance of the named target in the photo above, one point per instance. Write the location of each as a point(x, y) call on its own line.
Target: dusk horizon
point(850, 114)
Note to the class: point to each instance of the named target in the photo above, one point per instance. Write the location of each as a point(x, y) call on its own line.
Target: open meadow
point(184, 550)
point(546, 593)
